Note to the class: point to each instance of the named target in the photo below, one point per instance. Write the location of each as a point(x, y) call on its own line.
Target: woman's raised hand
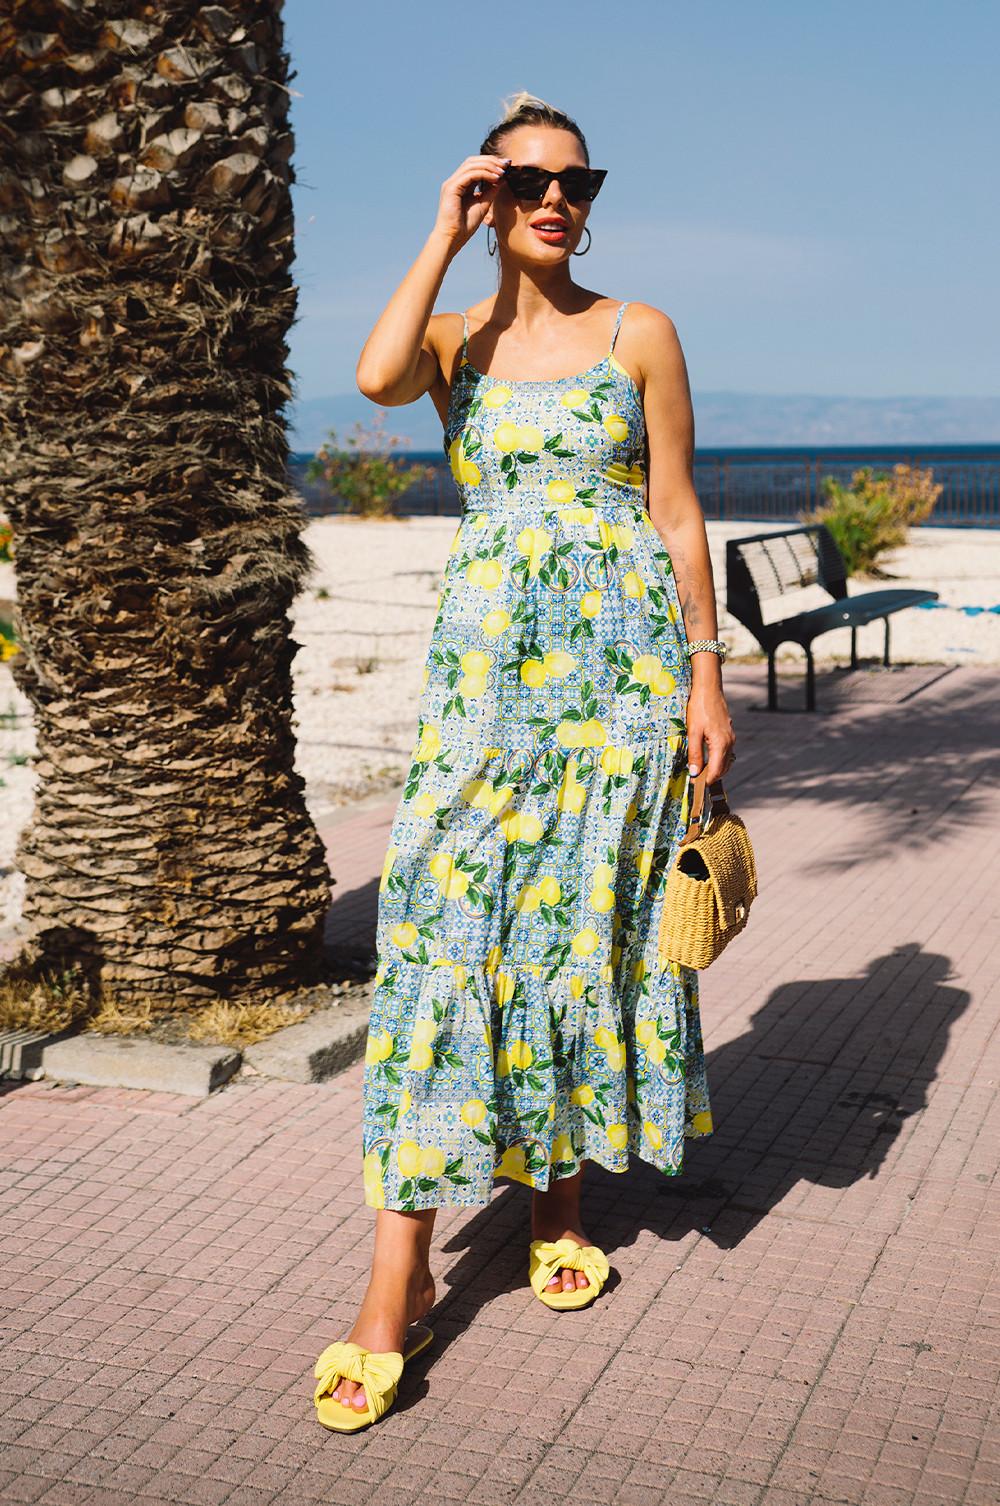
point(461, 210)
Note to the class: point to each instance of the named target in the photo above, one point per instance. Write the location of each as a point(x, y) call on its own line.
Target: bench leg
point(885, 650)
point(810, 681)
point(772, 683)
point(854, 647)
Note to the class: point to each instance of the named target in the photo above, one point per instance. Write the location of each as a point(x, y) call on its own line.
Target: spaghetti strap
point(465, 336)
point(614, 335)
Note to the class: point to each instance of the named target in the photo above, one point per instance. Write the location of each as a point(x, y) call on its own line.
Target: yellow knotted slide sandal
point(545, 1258)
point(378, 1372)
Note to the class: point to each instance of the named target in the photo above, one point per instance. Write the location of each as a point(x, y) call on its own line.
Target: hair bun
point(514, 103)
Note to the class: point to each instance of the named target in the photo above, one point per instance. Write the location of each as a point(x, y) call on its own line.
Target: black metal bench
point(763, 566)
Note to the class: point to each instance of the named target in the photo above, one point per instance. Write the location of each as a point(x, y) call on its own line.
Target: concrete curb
point(131, 1062)
point(317, 1048)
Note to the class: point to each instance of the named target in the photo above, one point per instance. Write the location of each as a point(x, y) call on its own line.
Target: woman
point(522, 1022)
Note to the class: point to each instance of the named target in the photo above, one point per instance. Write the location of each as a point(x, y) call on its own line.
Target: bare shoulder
point(650, 341)
point(654, 332)
point(443, 341)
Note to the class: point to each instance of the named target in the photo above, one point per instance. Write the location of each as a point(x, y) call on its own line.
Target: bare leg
point(556, 1215)
point(400, 1289)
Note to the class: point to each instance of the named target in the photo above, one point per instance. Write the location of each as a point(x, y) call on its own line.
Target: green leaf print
point(554, 447)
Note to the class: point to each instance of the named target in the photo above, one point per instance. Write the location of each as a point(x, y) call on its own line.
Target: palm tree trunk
point(145, 298)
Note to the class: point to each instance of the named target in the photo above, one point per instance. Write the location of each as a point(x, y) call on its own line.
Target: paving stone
point(131, 1062)
point(807, 1316)
point(315, 1049)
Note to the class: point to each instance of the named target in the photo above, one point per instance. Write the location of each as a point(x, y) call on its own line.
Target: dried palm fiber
point(145, 297)
point(712, 883)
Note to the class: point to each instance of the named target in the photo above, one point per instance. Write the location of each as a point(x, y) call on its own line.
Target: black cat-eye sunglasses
point(578, 184)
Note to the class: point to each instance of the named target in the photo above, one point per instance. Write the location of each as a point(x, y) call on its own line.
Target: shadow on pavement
point(817, 1091)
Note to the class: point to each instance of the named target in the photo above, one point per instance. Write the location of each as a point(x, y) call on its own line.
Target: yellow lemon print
point(618, 1136)
point(702, 1123)
point(503, 987)
point(535, 543)
point(432, 1161)
point(485, 573)
point(408, 1158)
point(495, 623)
point(379, 1047)
point(617, 759)
point(506, 437)
point(475, 662)
point(429, 744)
point(472, 1112)
point(645, 668)
point(405, 934)
point(372, 1179)
point(512, 1164)
point(465, 472)
point(559, 664)
point(585, 942)
point(495, 397)
point(590, 603)
point(576, 398)
point(633, 585)
point(390, 858)
point(571, 793)
point(560, 490)
point(583, 1095)
point(616, 426)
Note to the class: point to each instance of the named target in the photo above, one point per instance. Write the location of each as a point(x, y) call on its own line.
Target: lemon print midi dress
point(521, 1021)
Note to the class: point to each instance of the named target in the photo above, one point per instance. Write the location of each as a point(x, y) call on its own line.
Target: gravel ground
point(364, 620)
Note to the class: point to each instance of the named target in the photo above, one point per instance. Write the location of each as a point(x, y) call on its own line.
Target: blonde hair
point(523, 108)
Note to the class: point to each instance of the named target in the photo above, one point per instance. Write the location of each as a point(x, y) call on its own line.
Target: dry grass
point(61, 1001)
point(50, 1005)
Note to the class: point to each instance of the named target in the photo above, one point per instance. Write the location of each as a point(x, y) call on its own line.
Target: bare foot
point(400, 1291)
point(556, 1215)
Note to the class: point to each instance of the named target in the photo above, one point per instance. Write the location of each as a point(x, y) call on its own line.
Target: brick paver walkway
point(809, 1315)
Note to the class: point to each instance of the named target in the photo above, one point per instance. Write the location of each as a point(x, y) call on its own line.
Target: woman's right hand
point(461, 211)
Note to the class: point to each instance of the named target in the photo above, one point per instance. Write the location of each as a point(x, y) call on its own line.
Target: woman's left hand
point(709, 727)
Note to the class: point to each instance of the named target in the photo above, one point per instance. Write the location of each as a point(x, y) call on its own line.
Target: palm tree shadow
point(817, 1091)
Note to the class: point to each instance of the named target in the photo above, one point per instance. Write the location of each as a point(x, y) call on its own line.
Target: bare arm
point(676, 514)
point(399, 360)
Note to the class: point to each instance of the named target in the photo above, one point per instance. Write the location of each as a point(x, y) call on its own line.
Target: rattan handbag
point(711, 885)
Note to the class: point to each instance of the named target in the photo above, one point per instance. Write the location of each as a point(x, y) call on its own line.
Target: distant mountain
point(721, 418)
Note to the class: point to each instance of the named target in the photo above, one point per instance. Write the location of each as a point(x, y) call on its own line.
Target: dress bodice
point(573, 440)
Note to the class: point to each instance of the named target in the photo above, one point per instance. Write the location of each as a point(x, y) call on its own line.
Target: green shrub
point(369, 479)
point(872, 515)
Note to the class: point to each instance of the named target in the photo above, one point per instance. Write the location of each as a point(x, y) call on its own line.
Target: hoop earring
point(492, 250)
point(583, 253)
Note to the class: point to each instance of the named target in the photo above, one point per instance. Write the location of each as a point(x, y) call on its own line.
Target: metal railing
point(751, 484)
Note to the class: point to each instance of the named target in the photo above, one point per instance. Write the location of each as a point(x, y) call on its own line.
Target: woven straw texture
point(700, 916)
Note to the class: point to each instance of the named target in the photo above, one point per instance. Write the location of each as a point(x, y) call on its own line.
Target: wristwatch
point(713, 645)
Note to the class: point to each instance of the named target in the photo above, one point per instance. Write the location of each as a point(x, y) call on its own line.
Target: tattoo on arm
point(690, 605)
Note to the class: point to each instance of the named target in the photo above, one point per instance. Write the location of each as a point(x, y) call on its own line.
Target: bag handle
point(718, 805)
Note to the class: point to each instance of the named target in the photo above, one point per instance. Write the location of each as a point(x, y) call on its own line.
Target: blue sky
point(809, 191)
